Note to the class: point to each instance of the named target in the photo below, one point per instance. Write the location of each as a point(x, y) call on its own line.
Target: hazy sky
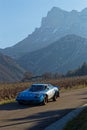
point(18, 18)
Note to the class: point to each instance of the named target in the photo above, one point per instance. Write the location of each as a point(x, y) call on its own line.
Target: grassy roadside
point(8, 91)
point(79, 122)
point(10, 99)
point(7, 101)
point(73, 88)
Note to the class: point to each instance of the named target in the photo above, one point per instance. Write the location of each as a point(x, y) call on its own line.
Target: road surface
point(31, 117)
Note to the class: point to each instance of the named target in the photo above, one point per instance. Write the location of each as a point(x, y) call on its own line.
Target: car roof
point(39, 84)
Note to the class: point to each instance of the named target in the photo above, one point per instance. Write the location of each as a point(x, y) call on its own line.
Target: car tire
point(45, 101)
point(55, 96)
point(58, 94)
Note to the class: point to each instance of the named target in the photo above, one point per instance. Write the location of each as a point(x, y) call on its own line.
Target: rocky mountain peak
point(54, 17)
point(55, 25)
point(84, 11)
point(74, 13)
point(55, 10)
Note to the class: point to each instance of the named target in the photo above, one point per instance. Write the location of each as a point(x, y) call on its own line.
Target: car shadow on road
point(38, 121)
point(15, 106)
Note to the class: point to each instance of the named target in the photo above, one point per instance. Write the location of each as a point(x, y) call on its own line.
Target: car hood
point(31, 94)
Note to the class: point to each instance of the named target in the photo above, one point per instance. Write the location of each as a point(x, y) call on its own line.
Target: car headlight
point(19, 94)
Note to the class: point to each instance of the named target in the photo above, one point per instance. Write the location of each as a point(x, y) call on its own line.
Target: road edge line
point(59, 125)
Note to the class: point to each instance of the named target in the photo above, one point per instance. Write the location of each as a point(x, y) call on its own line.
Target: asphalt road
point(29, 117)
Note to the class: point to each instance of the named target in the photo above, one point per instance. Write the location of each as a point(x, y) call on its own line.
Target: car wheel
point(45, 101)
point(55, 97)
point(58, 94)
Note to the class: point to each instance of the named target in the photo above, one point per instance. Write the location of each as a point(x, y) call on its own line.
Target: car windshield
point(35, 88)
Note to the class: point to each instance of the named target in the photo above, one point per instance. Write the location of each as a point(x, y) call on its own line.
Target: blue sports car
point(38, 93)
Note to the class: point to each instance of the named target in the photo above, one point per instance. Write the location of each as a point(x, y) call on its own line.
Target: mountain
point(58, 23)
point(79, 71)
point(10, 71)
point(65, 54)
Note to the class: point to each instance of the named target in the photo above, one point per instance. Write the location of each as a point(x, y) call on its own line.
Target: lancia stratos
point(38, 94)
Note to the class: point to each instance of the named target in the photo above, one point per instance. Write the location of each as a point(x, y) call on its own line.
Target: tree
point(27, 76)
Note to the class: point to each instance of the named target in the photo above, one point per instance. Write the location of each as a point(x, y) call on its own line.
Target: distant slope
point(10, 71)
point(65, 54)
point(55, 25)
point(82, 70)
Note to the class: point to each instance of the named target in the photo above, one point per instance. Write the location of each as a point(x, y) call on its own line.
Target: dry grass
point(10, 90)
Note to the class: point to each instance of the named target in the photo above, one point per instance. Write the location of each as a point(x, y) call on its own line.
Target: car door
point(51, 91)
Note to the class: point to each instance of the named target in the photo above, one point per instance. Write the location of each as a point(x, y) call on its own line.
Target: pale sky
point(19, 18)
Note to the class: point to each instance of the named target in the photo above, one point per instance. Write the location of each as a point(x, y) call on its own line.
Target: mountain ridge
point(10, 71)
point(65, 54)
point(58, 23)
